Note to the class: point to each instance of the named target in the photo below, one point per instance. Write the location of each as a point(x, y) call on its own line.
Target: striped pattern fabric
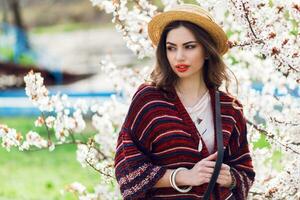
point(158, 134)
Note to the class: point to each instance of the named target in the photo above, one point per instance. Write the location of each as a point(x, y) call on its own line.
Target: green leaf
point(276, 160)
point(271, 4)
point(261, 143)
point(233, 60)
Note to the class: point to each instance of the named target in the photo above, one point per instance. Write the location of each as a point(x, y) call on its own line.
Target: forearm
point(180, 179)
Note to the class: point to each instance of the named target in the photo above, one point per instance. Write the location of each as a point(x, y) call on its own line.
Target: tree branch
point(268, 135)
point(246, 11)
point(261, 41)
point(256, 193)
point(105, 174)
point(47, 128)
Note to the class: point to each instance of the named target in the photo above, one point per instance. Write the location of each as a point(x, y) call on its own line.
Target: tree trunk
point(14, 6)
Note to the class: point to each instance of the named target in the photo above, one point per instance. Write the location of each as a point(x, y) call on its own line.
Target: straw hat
point(191, 13)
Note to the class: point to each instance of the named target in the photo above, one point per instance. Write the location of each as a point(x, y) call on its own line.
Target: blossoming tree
point(265, 41)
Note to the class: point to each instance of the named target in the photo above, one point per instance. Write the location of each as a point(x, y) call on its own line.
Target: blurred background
point(65, 41)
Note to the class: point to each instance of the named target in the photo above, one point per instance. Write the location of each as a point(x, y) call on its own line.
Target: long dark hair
point(214, 69)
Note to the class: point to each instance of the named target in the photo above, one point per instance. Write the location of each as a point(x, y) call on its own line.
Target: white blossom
point(10, 137)
point(33, 139)
point(37, 92)
point(76, 187)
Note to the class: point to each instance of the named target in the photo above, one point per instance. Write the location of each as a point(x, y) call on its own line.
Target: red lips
point(182, 67)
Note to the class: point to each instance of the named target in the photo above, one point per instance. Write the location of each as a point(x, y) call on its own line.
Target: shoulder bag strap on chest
point(220, 147)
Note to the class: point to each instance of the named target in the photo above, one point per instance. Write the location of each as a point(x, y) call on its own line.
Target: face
point(185, 55)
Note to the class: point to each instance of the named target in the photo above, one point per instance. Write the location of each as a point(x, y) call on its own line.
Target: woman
point(167, 146)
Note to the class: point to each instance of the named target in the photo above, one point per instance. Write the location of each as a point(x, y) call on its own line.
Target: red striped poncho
point(158, 134)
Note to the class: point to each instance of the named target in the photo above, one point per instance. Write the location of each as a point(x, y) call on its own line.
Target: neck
point(191, 89)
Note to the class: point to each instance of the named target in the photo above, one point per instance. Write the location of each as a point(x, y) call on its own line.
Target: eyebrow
point(183, 43)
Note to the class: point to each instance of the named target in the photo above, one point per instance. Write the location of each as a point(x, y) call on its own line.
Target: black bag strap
point(220, 156)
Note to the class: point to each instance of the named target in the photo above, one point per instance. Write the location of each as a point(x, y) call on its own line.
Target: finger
point(211, 157)
point(223, 177)
point(210, 164)
point(225, 172)
point(221, 182)
point(207, 170)
point(226, 167)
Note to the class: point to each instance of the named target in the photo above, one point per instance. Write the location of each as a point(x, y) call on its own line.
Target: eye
point(170, 48)
point(190, 46)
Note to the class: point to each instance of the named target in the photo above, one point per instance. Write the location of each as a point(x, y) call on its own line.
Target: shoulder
point(149, 93)
point(148, 102)
point(227, 98)
point(230, 104)
point(145, 90)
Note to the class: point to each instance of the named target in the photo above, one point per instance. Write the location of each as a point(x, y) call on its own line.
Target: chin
point(183, 75)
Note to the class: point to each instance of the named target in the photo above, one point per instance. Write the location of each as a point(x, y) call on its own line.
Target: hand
point(224, 178)
point(202, 171)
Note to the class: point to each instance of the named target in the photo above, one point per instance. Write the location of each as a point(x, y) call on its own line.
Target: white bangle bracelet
point(173, 182)
point(170, 178)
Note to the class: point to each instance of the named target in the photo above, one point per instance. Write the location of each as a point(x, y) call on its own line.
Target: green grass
point(40, 175)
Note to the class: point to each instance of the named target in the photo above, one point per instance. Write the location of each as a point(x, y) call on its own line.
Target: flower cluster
point(37, 92)
point(271, 28)
point(100, 191)
point(10, 137)
point(286, 185)
point(125, 80)
point(34, 139)
point(131, 23)
point(86, 154)
point(77, 188)
point(169, 3)
point(68, 118)
point(277, 110)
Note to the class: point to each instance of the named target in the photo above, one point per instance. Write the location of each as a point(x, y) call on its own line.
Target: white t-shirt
point(202, 116)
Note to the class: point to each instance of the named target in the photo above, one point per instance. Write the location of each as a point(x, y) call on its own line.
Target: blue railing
point(21, 93)
point(16, 103)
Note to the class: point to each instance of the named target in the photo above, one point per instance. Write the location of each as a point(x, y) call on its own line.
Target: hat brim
point(160, 21)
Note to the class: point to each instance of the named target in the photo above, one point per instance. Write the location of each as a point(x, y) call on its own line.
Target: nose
point(179, 54)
